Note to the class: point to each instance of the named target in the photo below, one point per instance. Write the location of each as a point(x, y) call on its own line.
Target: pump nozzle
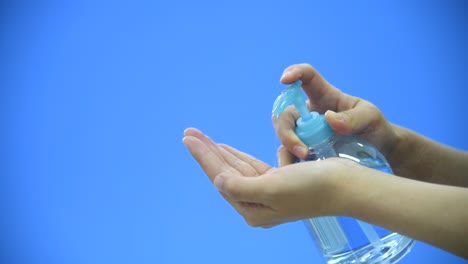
point(292, 95)
point(312, 128)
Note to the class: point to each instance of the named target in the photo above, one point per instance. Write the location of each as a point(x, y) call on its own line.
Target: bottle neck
point(323, 150)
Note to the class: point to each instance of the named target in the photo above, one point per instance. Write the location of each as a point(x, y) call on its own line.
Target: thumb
point(355, 120)
point(240, 188)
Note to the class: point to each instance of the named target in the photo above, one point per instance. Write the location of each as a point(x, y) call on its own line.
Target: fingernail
point(336, 115)
point(299, 151)
point(285, 74)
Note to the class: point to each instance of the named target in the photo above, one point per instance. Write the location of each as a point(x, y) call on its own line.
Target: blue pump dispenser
point(312, 128)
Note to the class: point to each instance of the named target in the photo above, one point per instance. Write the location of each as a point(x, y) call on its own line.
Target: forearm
point(420, 158)
point(427, 212)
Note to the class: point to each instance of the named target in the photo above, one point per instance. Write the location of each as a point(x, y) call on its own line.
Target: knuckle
point(287, 137)
point(230, 187)
point(347, 117)
point(282, 149)
point(369, 106)
point(374, 109)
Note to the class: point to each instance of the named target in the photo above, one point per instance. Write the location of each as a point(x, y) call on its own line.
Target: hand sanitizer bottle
point(342, 240)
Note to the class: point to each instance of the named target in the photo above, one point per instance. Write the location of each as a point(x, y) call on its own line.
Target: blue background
point(95, 96)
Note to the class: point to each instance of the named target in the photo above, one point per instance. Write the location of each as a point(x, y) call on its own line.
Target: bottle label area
point(343, 240)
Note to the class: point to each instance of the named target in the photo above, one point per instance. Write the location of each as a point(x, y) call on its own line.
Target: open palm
point(218, 160)
point(263, 195)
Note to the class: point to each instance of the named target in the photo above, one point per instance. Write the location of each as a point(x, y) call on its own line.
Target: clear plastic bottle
point(343, 240)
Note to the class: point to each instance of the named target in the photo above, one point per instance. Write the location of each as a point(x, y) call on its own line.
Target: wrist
point(413, 155)
point(359, 191)
point(343, 189)
point(400, 149)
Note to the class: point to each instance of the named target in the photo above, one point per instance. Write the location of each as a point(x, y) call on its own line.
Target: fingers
point(211, 163)
point(259, 166)
point(244, 168)
point(357, 120)
point(323, 96)
point(346, 114)
point(220, 158)
point(284, 156)
point(238, 188)
point(284, 127)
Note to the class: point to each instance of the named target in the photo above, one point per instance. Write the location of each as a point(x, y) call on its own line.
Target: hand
point(346, 115)
point(267, 196)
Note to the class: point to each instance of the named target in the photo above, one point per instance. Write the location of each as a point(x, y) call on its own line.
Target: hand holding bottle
point(410, 154)
point(346, 115)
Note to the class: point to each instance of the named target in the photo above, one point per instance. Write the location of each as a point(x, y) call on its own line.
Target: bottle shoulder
point(359, 150)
